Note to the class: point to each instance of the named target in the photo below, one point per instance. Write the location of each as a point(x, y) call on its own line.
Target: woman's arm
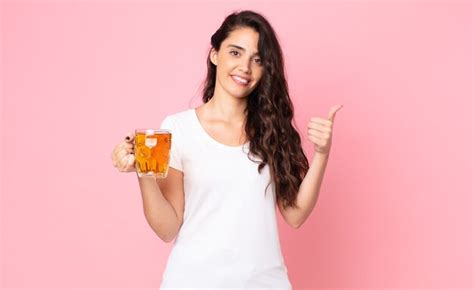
point(160, 213)
point(308, 192)
point(319, 133)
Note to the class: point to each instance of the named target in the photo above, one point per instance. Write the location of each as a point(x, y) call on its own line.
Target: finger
point(129, 137)
point(127, 166)
point(128, 145)
point(125, 152)
point(123, 162)
point(120, 147)
point(321, 120)
point(131, 160)
point(116, 161)
point(115, 154)
point(333, 111)
point(125, 147)
point(316, 140)
point(320, 127)
point(318, 134)
point(116, 149)
point(121, 155)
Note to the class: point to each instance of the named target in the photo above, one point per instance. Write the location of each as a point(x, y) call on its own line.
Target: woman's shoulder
point(179, 118)
point(180, 114)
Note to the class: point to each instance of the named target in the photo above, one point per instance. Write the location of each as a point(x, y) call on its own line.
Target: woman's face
point(238, 63)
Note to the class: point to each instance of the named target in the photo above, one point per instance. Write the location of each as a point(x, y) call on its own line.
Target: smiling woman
point(233, 161)
point(246, 156)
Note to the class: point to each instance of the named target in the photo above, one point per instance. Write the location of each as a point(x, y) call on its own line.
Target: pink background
point(395, 208)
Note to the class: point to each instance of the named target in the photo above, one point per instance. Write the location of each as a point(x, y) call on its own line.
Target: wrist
point(318, 156)
point(145, 176)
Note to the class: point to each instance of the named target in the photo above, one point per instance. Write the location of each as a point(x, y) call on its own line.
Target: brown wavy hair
point(269, 110)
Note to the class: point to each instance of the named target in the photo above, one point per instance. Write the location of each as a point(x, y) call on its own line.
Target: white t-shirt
point(229, 236)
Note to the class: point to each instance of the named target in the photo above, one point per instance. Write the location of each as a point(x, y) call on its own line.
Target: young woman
point(233, 160)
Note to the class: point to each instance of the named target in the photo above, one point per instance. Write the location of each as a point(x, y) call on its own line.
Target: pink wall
point(395, 208)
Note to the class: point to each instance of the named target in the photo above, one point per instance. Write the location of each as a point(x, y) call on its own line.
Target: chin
point(243, 95)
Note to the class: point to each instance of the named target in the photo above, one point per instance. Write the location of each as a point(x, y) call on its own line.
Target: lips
point(240, 80)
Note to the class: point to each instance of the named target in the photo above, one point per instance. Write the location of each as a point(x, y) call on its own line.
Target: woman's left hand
point(320, 131)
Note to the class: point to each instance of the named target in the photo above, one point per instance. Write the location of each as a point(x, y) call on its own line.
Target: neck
point(230, 110)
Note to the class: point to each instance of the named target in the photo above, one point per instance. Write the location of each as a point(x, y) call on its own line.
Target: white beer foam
point(149, 132)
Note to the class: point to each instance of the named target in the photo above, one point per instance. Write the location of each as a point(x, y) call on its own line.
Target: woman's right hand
point(123, 155)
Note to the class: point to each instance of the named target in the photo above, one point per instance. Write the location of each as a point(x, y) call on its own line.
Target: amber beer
point(152, 152)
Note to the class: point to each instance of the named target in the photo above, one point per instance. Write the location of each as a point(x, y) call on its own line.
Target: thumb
point(333, 111)
point(131, 159)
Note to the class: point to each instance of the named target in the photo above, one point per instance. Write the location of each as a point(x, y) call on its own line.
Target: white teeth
point(240, 80)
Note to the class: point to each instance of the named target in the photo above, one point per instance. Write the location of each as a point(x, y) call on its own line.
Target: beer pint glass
point(152, 152)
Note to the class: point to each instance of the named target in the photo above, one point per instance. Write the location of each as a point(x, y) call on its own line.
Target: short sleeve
point(175, 155)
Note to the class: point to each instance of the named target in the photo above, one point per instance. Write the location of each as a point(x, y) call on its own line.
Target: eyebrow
point(240, 48)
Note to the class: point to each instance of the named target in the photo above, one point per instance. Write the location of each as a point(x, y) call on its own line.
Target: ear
point(213, 56)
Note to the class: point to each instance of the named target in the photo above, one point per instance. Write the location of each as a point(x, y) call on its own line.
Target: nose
point(245, 66)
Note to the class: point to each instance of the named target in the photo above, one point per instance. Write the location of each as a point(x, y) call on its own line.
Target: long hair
point(269, 109)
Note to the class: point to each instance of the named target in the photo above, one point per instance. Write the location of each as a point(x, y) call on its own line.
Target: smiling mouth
point(240, 81)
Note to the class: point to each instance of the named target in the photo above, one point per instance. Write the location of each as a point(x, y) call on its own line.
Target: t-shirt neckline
point(209, 137)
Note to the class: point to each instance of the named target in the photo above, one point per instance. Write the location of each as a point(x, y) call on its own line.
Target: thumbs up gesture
point(320, 131)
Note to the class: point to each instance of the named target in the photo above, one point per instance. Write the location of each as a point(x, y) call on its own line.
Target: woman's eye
point(257, 60)
point(232, 52)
